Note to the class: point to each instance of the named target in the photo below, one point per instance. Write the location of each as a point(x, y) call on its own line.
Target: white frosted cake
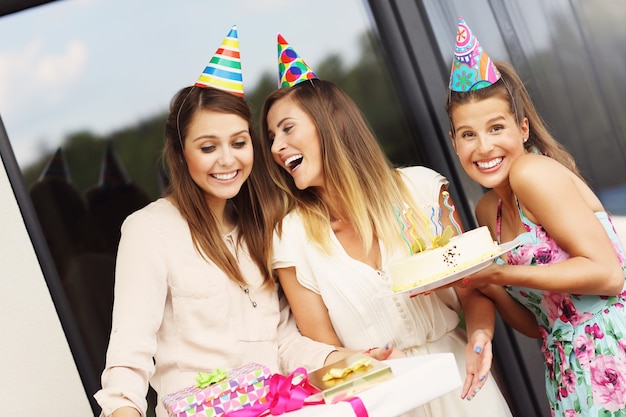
point(463, 251)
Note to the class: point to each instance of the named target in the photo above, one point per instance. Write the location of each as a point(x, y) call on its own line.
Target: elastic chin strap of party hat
point(180, 108)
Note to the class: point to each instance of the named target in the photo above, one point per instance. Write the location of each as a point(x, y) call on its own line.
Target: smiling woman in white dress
point(332, 249)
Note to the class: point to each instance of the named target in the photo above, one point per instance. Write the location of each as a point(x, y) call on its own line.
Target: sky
point(103, 65)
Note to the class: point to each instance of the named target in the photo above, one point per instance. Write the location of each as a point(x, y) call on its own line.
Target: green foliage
point(369, 84)
point(138, 148)
point(267, 83)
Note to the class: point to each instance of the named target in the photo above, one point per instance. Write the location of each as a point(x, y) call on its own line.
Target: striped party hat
point(291, 68)
point(472, 69)
point(224, 69)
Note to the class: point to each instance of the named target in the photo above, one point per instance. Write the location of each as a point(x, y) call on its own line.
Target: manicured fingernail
point(387, 346)
point(482, 378)
point(478, 349)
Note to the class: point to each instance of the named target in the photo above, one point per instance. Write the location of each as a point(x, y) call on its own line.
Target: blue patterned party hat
point(472, 69)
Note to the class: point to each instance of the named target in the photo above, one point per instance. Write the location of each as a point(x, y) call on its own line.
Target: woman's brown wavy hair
point(511, 88)
point(256, 204)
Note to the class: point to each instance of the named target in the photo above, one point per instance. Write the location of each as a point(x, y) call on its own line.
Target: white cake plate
point(455, 276)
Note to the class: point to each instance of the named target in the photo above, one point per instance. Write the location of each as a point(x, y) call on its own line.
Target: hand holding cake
point(480, 279)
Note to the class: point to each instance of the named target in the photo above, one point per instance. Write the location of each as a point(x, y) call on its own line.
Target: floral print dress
point(584, 336)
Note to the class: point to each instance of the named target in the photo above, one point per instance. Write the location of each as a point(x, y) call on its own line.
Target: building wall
point(39, 375)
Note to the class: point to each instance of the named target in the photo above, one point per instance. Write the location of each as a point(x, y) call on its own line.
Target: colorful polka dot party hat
point(472, 69)
point(224, 70)
point(291, 68)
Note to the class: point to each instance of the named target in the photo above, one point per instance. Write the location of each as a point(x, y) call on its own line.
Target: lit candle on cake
point(451, 210)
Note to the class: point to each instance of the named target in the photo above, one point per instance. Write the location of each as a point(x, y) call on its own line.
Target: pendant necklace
point(247, 291)
point(230, 242)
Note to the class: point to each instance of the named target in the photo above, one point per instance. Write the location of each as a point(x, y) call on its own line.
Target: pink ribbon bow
point(285, 396)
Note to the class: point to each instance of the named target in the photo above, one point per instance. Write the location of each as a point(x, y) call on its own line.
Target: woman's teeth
point(224, 177)
point(293, 161)
point(489, 164)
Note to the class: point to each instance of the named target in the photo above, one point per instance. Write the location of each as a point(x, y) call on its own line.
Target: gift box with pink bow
point(220, 392)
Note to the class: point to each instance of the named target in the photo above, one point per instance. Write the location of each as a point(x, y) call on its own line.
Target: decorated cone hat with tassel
point(472, 69)
point(291, 68)
point(224, 70)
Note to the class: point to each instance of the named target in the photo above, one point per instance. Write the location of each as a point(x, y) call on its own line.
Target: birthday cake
point(460, 252)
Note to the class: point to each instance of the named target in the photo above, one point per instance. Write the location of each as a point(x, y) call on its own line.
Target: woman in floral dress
point(584, 336)
point(568, 274)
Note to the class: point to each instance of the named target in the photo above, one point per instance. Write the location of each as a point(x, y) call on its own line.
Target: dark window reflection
point(82, 231)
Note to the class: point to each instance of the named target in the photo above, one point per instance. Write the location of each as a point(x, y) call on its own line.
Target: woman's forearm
point(513, 313)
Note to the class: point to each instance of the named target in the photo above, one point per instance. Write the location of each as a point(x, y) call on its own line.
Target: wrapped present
point(221, 392)
point(286, 394)
point(348, 377)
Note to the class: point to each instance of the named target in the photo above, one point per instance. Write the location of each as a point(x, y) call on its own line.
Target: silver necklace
point(231, 243)
point(247, 291)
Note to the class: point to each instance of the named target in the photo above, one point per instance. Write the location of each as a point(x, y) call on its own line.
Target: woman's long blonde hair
point(355, 168)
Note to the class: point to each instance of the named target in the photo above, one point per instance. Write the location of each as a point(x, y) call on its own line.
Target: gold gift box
point(355, 381)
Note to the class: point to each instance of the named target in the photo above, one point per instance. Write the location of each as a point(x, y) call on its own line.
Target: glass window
point(566, 54)
point(86, 86)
